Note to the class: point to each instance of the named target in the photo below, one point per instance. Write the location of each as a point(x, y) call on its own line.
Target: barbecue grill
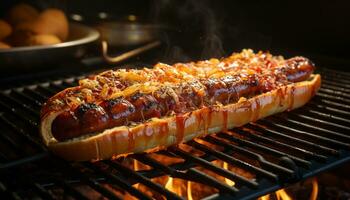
point(275, 151)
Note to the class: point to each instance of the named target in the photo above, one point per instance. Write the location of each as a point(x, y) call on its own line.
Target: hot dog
point(142, 110)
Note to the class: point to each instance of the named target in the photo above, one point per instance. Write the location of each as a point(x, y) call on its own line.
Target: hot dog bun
point(159, 133)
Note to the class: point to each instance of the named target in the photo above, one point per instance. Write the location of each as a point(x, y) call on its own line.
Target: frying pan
point(81, 37)
point(30, 57)
point(118, 33)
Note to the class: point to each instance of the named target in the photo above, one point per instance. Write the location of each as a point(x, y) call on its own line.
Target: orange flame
point(173, 188)
point(189, 190)
point(176, 188)
point(282, 195)
point(266, 197)
point(314, 192)
point(228, 181)
point(136, 168)
point(169, 184)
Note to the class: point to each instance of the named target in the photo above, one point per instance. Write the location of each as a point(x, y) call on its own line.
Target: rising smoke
point(194, 30)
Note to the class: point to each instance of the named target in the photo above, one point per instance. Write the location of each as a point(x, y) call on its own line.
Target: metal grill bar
point(212, 167)
point(338, 78)
point(334, 116)
point(8, 194)
point(73, 192)
point(263, 148)
point(96, 185)
point(40, 99)
point(19, 103)
point(122, 183)
point(20, 94)
point(326, 140)
point(277, 150)
point(302, 119)
point(191, 174)
point(335, 88)
point(264, 163)
point(19, 114)
point(335, 84)
point(269, 131)
point(334, 92)
point(306, 153)
point(232, 160)
point(329, 109)
point(333, 98)
point(42, 192)
point(333, 104)
point(22, 132)
point(143, 180)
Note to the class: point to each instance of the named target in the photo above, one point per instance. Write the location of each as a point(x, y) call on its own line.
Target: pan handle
point(128, 54)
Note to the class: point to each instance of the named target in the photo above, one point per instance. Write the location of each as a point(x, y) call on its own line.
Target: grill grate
point(274, 151)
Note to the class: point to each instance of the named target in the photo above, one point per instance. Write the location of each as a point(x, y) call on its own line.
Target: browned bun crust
point(159, 133)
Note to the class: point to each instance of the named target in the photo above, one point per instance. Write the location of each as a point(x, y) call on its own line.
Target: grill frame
point(23, 104)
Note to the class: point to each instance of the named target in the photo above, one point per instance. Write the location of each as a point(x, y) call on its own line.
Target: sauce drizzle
point(210, 111)
point(280, 94)
point(256, 111)
point(131, 140)
point(180, 128)
point(200, 119)
point(291, 104)
point(224, 114)
point(163, 132)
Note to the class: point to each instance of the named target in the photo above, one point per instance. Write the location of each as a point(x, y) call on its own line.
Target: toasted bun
point(159, 133)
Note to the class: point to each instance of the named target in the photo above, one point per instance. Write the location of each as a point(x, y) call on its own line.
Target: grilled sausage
point(121, 112)
point(139, 107)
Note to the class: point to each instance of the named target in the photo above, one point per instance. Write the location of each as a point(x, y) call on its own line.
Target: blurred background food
point(24, 25)
point(22, 13)
point(43, 39)
point(4, 45)
point(5, 29)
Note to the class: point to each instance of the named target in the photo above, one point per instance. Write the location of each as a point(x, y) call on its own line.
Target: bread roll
point(44, 39)
point(51, 21)
point(22, 13)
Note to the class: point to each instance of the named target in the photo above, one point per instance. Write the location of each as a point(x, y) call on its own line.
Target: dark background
point(201, 29)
